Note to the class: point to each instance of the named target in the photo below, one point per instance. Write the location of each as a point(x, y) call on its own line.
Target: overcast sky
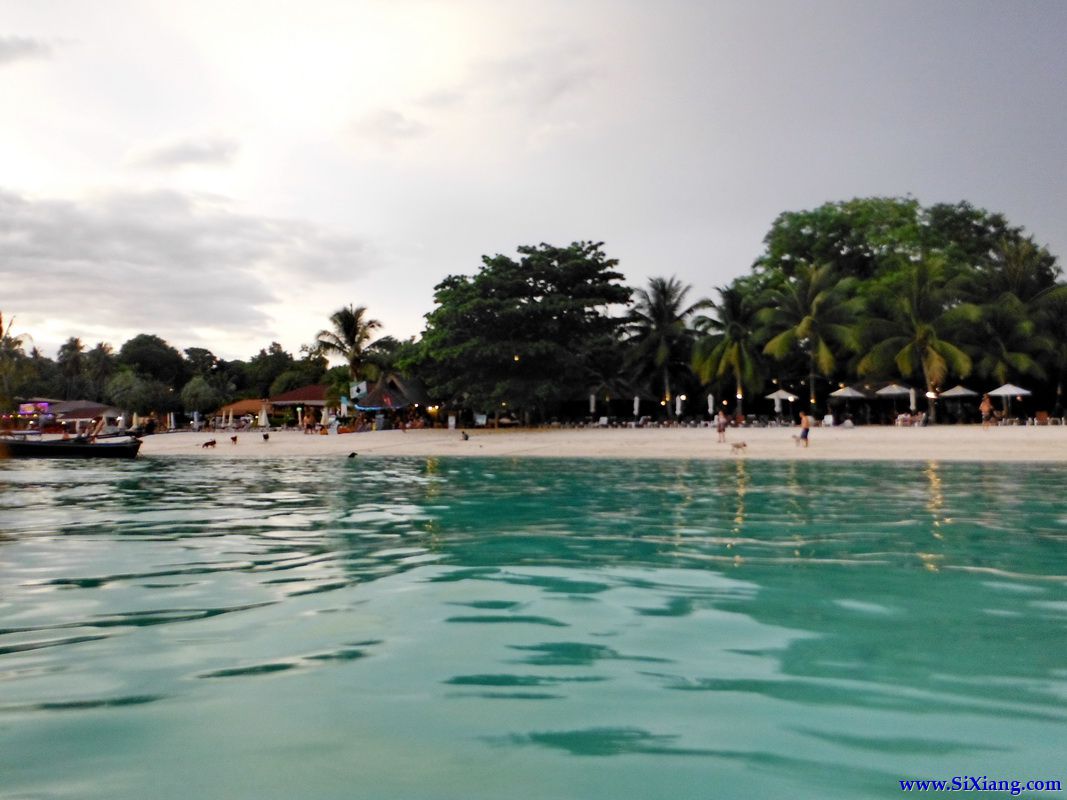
point(227, 174)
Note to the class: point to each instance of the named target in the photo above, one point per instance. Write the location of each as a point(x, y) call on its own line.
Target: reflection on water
point(581, 629)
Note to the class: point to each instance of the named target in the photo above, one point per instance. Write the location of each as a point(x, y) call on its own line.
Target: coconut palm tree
point(659, 332)
point(917, 336)
point(729, 345)
point(1009, 341)
point(349, 338)
point(71, 361)
point(13, 361)
point(810, 311)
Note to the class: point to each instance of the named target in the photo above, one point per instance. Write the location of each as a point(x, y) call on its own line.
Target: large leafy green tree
point(660, 335)
point(812, 312)
point(523, 332)
point(151, 357)
point(729, 348)
point(349, 337)
point(265, 367)
point(199, 395)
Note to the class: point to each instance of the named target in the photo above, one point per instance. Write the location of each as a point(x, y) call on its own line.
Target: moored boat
point(22, 447)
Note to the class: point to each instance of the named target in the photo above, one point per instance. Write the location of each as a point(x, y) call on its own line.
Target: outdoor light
point(682, 397)
point(663, 402)
point(932, 395)
point(516, 357)
point(739, 395)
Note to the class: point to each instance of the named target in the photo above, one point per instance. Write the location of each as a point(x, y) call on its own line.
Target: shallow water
point(413, 628)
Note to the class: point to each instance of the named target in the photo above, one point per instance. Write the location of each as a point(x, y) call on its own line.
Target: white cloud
point(160, 262)
point(181, 152)
point(387, 127)
point(17, 48)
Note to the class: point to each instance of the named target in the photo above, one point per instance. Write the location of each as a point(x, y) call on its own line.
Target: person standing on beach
point(986, 407)
point(805, 429)
point(720, 425)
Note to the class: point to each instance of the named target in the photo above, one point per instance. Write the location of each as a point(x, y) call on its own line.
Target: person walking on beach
point(986, 407)
point(720, 425)
point(805, 429)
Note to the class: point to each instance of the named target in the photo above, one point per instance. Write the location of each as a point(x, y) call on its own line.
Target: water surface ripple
point(434, 628)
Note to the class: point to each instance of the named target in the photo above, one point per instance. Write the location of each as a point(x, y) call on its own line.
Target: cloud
point(174, 153)
point(17, 48)
point(387, 127)
point(160, 262)
point(538, 78)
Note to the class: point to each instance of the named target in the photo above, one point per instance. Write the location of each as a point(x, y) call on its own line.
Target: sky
point(226, 174)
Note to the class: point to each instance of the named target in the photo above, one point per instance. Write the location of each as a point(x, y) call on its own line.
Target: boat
point(78, 447)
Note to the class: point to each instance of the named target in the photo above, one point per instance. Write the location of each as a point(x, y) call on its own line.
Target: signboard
point(358, 390)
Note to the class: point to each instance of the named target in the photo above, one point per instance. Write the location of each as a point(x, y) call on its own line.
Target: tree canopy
point(523, 333)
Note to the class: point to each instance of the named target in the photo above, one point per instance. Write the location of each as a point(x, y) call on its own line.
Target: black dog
point(208, 443)
point(233, 439)
point(266, 436)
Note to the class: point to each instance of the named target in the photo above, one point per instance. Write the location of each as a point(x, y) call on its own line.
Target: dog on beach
point(738, 447)
point(208, 443)
point(233, 440)
point(266, 437)
point(464, 435)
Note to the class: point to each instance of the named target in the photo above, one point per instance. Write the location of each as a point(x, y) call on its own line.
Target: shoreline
point(967, 443)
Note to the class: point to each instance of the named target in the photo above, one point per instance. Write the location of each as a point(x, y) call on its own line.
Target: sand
point(934, 443)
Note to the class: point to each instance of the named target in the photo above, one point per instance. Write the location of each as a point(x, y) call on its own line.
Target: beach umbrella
point(137, 419)
point(637, 405)
point(894, 390)
point(848, 393)
point(325, 416)
point(711, 404)
point(171, 422)
point(592, 404)
point(959, 391)
point(1008, 391)
point(911, 399)
point(778, 396)
point(263, 421)
point(678, 406)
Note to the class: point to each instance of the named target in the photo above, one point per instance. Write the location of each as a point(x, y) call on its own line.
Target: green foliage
point(522, 333)
point(15, 368)
point(811, 311)
point(729, 349)
point(660, 336)
point(200, 361)
point(153, 358)
point(199, 395)
point(265, 367)
point(131, 392)
point(349, 337)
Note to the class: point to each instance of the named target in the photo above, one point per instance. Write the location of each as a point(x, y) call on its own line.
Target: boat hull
point(15, 448)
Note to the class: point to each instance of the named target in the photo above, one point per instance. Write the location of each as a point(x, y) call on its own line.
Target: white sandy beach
point(934, 443)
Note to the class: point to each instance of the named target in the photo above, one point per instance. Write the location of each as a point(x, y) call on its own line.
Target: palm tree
point(349, 338)
point(659, 332)
point(12, 361)
point(729, 346)
point(1009, 340)
point(810, 311)
point(915, 337)
point(70, 359)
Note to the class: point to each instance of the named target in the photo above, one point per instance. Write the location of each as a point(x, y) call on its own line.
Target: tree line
point(857, 292)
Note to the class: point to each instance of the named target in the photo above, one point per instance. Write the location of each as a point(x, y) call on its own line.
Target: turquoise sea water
point(433, 628)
